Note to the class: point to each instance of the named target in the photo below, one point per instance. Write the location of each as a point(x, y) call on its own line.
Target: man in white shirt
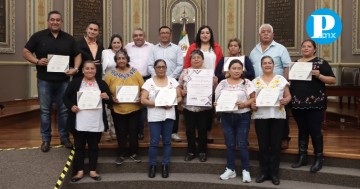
point(174, 59)
point(139, 51)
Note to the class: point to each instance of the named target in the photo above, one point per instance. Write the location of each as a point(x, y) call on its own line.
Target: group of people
point(151, 68)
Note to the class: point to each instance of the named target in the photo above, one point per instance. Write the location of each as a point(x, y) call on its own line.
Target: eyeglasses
point(160, 67)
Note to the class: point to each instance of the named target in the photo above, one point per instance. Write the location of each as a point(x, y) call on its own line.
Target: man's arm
point(150, 63)
point(77, 63)
point(179, 64)
point(29, 56)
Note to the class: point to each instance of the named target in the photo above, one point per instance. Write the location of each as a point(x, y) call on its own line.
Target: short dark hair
point(122, 51)
point(197, 51)
point(112, 39)
point(159, 60)
point(93, 22)
point(167, 27)
point(235, 40)
point(262, 58)
point(53, 12)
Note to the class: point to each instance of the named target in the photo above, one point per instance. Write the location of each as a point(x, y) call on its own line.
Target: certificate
point(89, 99)
point(268, 97)
point(165, 97)
point(127, 94)
point(227, 101)
point(300, 71)
point(58, 63)
point(199, 87)
point(228, 59)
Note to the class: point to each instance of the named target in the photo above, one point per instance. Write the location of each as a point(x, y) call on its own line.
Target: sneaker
point(228, 174)
point(175, 137)
point(135, 158)
point(120, 160)
point(246, 176)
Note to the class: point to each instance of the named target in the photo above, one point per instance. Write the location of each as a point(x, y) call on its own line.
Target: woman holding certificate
point(234, 47)
point(197, 86)
point(108, 63)
point(125, 84)
point(85, 98)
point(309, 103)
point(235, 117)
point(272, 94)
point(160, 94)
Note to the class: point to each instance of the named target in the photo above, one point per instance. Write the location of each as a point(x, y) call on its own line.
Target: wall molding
point(8, 46)
point(356, 27)
point(14, 63)
point(36, 15)
point(299, 26)
point(136, 15)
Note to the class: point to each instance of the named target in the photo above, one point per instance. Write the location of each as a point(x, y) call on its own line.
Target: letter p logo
point(324, 26)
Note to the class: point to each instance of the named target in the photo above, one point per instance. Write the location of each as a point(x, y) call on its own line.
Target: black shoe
point(152, 171)
point(119, 160)
point(202, 157)
point(189, 157)
point(45, 146)
point(302, 161)
point(141, 136)
point(75, 179)
point(275, 180)
point(97, 178)
point(318, 163)
point(165, 171)
point(261, 178)
point(67, 144)
point(135, 158)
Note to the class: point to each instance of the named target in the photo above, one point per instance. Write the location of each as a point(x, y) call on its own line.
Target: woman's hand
point(253, 106)
point(215, 103)
point(75, 109)
point(104, 96)
point(183, 92)
point(315, 73)
point(241, 105)
point(115, 100)
point(215, 79)
point(284, 101)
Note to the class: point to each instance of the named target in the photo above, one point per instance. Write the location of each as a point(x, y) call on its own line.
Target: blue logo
point(324, 26)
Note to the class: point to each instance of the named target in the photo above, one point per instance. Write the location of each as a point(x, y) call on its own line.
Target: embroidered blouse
point(270, 112)
point(311, 94)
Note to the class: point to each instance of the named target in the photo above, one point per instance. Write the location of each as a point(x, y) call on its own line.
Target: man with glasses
point(139, 51)
point(174, 59)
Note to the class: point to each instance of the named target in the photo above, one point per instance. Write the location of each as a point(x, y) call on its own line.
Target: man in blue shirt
point(281, 57)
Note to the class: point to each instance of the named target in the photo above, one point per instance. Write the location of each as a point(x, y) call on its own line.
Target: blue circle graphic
point(324, 26)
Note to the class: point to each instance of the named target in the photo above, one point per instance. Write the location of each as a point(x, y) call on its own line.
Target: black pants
point(199, 121)
point(309, 122)
point(176, 121)
point(286, 130)
point(126, 125)
point(92, 139)
point(269, 134)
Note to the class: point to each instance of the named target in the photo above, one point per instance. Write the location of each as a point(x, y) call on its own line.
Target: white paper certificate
point(58, 63)
point(227, 101)
point(227, 61)
point(268, 97)
point(127, 94)
point(89, 99)
point(165, 97)
point(199, 87)
point(300, 71)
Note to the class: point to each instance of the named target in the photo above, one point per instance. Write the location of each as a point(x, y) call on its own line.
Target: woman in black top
point(309, 103)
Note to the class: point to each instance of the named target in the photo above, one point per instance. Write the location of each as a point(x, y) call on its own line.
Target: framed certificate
point(227, 101)
point(268, 97)
point(165, 97)
point(58, 63)
point(300, 71)
point(127, 94)
point(228, 59)
point(89, 100)
point(199, 87)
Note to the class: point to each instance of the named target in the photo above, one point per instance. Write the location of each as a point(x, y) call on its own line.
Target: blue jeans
point(163, 128)
point(236, 130)
point(50, 92)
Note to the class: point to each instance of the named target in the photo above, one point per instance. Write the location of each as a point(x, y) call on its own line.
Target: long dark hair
point(112, 39)
point(198, 40)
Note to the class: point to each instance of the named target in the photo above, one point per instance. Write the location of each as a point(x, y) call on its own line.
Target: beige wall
point(14, 71)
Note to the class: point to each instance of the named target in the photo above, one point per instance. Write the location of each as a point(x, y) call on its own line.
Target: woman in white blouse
point(161, 119)
point(268, 121)
point(108, 63)
point(236, 123)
